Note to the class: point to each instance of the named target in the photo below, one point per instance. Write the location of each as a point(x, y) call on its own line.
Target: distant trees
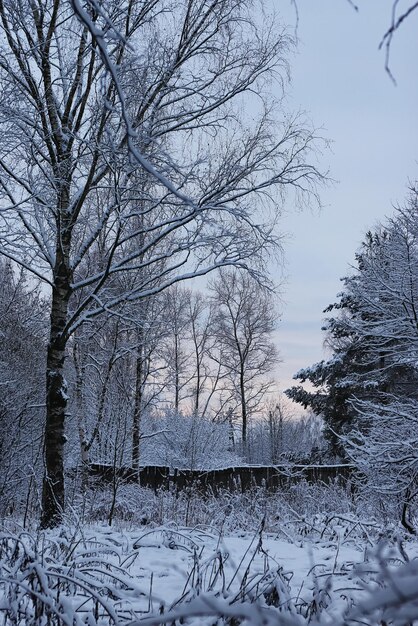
point(244, 322)
point(279, 437)
point(176, 354)
point(102, 230)
point(22, 364)
point(189, 441)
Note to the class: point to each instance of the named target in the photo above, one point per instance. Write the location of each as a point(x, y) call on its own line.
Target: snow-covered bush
point(227, 510)
point(187, 441)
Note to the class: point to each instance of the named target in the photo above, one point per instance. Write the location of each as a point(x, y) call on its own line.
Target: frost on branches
point(367, 390)
point(127, 162)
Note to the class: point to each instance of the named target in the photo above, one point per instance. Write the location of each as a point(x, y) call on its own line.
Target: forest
point(152, 471)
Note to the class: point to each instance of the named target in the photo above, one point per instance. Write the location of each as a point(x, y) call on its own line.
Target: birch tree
point(69, 179)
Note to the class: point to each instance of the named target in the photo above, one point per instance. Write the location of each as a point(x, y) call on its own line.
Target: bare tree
point(204, 383)
point(149, 331)
point(245, 320)
point(176, 349)
point(69, 184)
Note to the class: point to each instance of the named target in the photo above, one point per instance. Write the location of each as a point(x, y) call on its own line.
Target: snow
point(170, 567)
point(135, 575)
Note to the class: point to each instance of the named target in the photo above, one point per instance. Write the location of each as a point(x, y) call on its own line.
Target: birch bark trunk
point(53, 494)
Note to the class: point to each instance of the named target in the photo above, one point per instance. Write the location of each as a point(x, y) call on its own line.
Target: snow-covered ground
point(168, 556)
point(97, 575)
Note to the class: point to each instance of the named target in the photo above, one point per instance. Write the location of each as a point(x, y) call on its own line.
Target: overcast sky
point(339, 77)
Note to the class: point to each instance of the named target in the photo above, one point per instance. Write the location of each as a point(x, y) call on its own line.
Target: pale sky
point(339, 78)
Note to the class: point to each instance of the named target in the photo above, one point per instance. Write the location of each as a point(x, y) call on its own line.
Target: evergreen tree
point(372, 334)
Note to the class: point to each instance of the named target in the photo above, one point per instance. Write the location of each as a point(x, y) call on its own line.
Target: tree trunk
point(244, 415)
point(81, 420)
point(176, 374)
point(405, 510)
point(198, 366)
point(231, 436)
point(136, 426)
point(56, 401)
point(273, 438)
point(53, 493)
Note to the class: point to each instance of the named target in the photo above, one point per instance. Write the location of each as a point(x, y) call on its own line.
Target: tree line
point(186, 381)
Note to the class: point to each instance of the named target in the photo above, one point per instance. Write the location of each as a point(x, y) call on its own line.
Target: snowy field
point(338, 574)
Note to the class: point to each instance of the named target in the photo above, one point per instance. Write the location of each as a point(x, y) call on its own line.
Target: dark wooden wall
point(232, 478)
